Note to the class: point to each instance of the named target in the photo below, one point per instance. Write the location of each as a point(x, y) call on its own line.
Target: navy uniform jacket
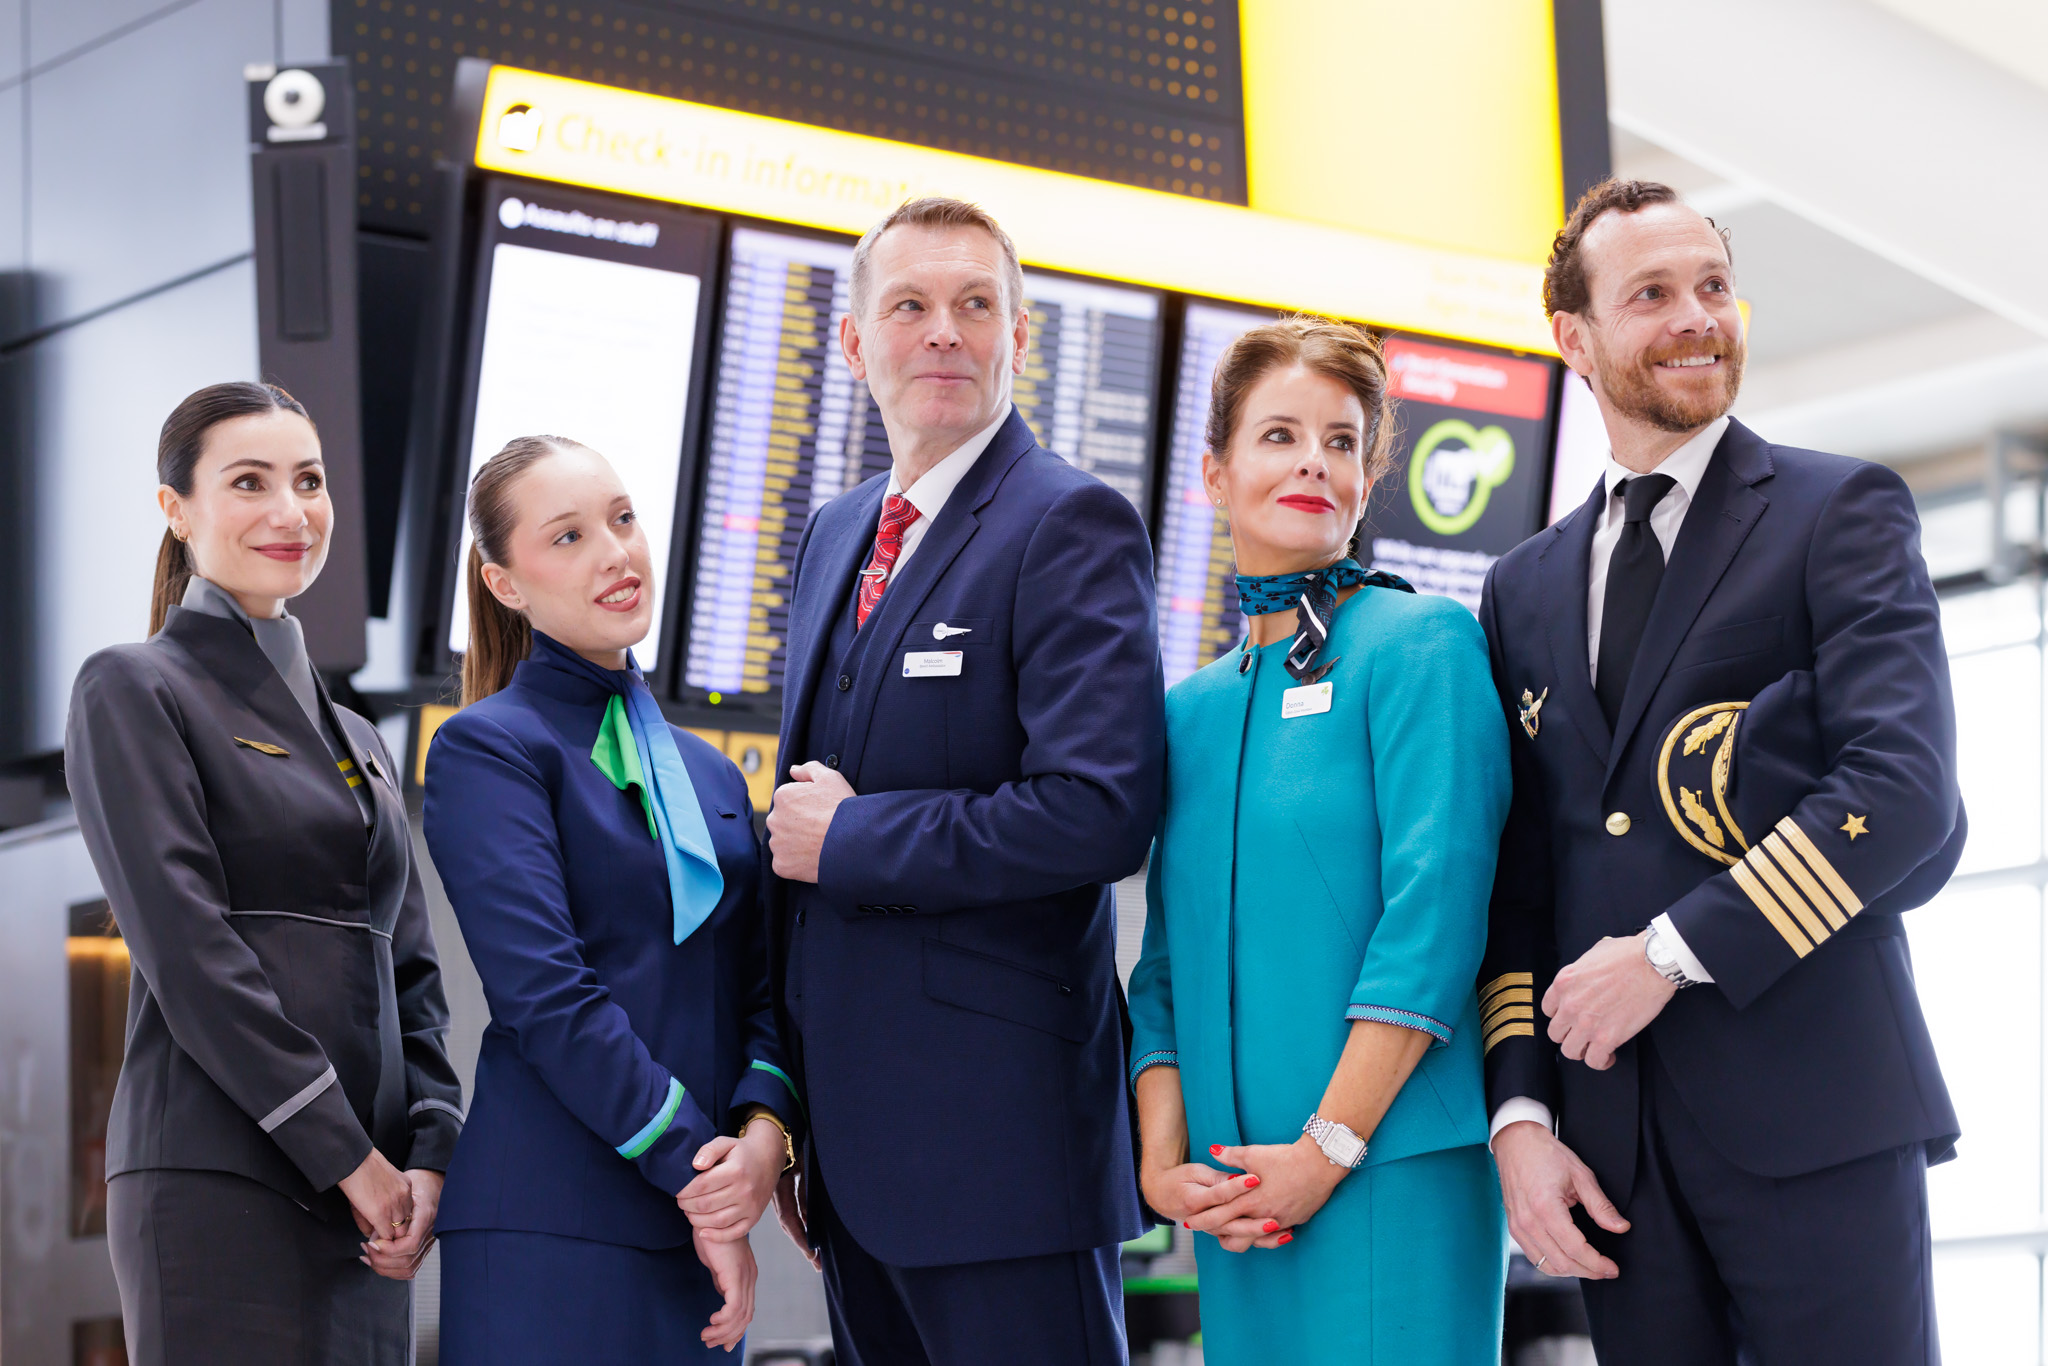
point(1809, 1049)
point(962, 1045)
point(286, 1009)
point(564, 903)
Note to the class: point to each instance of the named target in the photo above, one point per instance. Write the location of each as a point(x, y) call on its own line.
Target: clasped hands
point(724, 1202)
point(394, 1210)
point(1282, 1185)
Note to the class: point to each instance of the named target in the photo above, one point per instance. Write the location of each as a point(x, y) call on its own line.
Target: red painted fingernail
point(1286, 1238)
point(1250, 1181)
point(1185, 1224)
point(1215, 1150)
point(1272, 1226)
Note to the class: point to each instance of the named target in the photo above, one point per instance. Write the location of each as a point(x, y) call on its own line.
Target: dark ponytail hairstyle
point(498, 636)
point(178, 448)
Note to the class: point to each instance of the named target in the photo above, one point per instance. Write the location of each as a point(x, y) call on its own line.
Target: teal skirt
point(1405, 1266)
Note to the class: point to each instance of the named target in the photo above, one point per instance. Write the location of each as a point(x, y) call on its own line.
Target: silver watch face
point(1343, 1147)
point(1660, 955)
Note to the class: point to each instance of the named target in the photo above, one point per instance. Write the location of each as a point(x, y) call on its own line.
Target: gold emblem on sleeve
point(1695, 822)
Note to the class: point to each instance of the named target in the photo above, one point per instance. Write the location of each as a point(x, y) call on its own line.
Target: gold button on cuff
point(1618, 823)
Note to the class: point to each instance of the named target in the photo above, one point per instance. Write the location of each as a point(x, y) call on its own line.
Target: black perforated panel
point(1143, 93)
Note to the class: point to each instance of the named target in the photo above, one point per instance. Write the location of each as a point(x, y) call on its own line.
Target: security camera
point(294, 101)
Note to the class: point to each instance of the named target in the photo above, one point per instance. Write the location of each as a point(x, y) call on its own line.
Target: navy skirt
point(509, 1299)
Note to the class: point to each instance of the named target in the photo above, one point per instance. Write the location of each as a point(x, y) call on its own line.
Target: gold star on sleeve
point(1855, 826)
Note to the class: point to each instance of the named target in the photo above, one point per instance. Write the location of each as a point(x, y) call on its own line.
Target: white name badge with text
point(1311, 700)
point(932, 664)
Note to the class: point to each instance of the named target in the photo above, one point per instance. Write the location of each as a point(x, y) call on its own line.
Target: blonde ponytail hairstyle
point(498, 636)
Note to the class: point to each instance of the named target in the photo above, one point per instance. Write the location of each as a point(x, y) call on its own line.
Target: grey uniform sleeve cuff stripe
point(298, 1102)
point(431, 1104)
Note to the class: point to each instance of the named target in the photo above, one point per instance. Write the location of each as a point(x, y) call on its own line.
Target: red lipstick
point(284, 550)
point(1307, 502)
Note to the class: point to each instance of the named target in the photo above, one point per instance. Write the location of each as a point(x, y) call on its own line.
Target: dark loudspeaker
point(302, 166)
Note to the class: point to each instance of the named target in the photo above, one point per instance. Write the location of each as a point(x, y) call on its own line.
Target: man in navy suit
point(974, 718)
point(1734, 763)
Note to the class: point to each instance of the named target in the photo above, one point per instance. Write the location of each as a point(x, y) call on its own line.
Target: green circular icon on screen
point(1455, 468)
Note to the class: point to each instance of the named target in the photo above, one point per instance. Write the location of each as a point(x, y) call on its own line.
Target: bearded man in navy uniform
point(1734, 763)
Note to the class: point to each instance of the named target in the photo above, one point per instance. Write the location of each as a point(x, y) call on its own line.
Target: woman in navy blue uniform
point(632, 1110)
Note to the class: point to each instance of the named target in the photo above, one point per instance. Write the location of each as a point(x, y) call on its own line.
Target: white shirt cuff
point(1514, 1112)
point(1679, 950)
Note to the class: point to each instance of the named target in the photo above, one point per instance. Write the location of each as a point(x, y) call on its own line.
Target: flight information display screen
point(590, 322)
point(791, 429)
point(1198, 616)
point(1089, 379)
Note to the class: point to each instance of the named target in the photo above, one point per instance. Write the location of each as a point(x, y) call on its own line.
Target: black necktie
point(1633, 573)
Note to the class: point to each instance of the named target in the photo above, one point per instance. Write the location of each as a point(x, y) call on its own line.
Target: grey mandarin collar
point(282, 640)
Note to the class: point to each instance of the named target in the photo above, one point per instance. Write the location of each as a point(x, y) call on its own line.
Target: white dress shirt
point(929, 494)
point(1687, 465)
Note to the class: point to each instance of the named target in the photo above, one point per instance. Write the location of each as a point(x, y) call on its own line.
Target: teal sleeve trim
point(656, 1127)
point(783, 1077)
point(1158, 1057)
point(1407, 1019)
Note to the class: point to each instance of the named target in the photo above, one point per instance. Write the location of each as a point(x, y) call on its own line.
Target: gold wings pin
point(1531, 706)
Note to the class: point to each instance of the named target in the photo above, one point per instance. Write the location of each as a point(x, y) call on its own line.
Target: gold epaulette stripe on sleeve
point(1788, 895)
point(1822, 869)
point(1503, 982)
point(1754, 888)
point(1517, 1029)
point(1516, 1003)
point(1795, 868)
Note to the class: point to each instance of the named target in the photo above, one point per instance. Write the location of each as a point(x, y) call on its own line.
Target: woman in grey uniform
point(286, 1105)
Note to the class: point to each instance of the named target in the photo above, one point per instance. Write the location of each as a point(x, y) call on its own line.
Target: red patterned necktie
point(898, 513)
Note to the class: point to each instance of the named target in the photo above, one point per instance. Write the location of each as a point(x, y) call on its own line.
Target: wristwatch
point(1339, 1142)
point(1664, 959)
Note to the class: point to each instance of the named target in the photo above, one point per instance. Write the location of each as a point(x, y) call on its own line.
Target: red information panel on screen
point(1472, 380)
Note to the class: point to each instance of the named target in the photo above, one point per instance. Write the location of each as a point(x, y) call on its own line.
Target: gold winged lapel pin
point(262, 748)
point(1530, 709)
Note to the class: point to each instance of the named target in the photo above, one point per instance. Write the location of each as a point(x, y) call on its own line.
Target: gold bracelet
point(788, 1144)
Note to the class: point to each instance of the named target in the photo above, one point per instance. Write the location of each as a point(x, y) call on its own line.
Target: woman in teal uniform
point(1304, 1008)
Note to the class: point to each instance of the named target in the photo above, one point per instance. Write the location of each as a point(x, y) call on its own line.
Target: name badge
point(1310, 700)
point(934, 664)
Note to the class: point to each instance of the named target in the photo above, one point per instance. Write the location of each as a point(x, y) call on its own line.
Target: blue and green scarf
point(637, 751)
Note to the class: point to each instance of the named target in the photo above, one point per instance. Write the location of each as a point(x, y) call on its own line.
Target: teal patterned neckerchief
point(1313, 595)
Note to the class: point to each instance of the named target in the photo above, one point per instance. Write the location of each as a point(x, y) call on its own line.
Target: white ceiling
point(1882, 166)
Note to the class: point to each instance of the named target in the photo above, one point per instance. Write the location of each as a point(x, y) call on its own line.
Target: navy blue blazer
point(962, 1046)
point(564, 905)
point(1809, 1049)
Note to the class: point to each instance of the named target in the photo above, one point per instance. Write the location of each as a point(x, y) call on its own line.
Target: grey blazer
point(286, 1008)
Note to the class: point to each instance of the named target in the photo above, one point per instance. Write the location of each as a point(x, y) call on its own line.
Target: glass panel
point(98, 960)
point(1977, 962)
point(1991, 617)
point(1998, 751)
point(1955, 538)
point(1988, 1308)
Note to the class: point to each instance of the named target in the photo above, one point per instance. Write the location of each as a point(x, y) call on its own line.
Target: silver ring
point(1541, 1260)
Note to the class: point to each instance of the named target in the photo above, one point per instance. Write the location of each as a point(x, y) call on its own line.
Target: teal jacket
point(1317, 870)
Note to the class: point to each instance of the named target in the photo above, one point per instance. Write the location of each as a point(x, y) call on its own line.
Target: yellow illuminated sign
point(1434, 122)
point(577, 133)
